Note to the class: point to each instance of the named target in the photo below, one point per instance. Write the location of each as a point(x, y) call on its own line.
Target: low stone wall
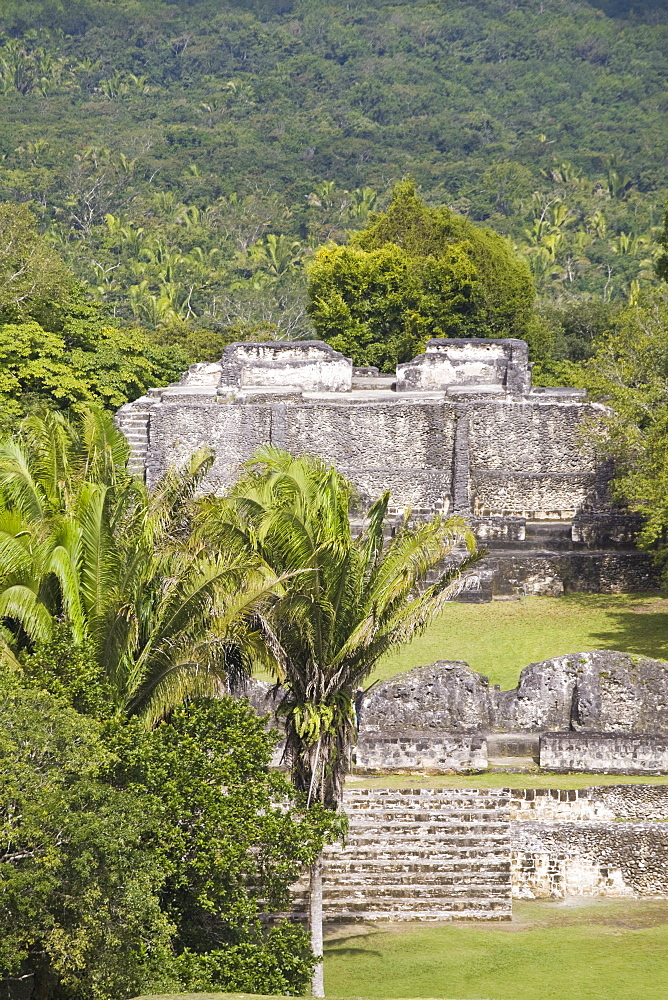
point(422, 751)
point(604, 753)
point(642, 803)
point(594, 691)
point(552, 860)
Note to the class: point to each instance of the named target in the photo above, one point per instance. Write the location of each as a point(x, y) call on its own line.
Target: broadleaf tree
point(414, 273)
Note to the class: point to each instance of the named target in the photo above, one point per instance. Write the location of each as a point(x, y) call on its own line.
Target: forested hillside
point(187, 157)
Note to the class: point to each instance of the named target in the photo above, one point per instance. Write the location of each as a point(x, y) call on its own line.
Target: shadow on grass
point(331, 950)
point(644, 633)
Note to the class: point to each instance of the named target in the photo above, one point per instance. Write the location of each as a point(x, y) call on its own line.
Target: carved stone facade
point(458, 429)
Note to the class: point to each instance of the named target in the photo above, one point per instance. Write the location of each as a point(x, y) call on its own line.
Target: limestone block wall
point(600, 841)
point(555, 573)
point(181, 424)
point(528, 456)
point(590, 692)
point(552, 860)
point(604, 753)
point(384, 444)
point(602, 803)
point(311, 365)
point(475, 361)
point(463, 753)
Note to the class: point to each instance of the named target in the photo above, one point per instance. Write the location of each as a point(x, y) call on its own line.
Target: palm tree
point(345, 600)
point(83, 541)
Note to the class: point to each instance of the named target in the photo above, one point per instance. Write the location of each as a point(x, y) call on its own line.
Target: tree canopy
point(56, 347)
point(134, 860)
point(186, 159)
point(413, 273)
point(82, 540)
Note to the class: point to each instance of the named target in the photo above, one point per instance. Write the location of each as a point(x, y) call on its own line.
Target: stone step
point(392, 807)
point(377, 867)
point(433, 832)
point(416, 852)
point(472, 795)
point(458, 908)
point(423, 890)
point(423, 818)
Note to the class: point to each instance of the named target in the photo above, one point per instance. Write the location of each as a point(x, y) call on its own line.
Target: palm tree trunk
point(315, 924)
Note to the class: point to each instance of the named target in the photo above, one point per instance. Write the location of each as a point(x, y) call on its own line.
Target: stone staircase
point(133, 420)
point(419, 854)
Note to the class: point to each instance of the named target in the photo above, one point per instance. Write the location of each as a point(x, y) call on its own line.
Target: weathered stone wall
point(422, 751)
point(446, 696)
point(390, 444)
point(595, 691)
point(598, 690)
point(311, 365)
point(555, 573)
point(601, 803)
point(524, 451)
point(528, 456)
point(183, 424)
point(502, 364)
point(605, 753)
point(589, 859)
point(465, 433)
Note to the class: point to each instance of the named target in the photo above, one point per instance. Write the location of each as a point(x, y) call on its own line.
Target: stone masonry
point(602, 841)
point(463, 854)
point(458, 429)
point(419, 854)
point(597, 711)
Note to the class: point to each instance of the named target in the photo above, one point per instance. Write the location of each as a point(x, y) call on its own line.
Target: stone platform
point(459, 429)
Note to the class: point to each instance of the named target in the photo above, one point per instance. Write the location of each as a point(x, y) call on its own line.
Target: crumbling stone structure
point(464, 854)
point(458, 429)
point(598, 711)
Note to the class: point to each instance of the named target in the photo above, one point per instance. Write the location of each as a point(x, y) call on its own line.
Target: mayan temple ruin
point(459, 429)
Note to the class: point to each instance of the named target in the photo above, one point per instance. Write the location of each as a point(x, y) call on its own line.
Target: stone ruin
point(466, 853)
point(597, 711)
point(459, 429)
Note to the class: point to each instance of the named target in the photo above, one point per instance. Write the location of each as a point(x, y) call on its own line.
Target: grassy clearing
point(500, 780)
point(550, 951)
point(577, 950)
point(500, 638)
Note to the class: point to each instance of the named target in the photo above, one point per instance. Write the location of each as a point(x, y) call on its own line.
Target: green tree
point(413, 273)
point(79, 881)
point(630, 373)
point(348, 599)
point(662, 263)
point(135, 860)
point(40, 366)
point(33, 277)
point(84, 541)
point(234, 837)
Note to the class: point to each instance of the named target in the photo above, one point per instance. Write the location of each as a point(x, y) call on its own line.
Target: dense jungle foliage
point(187, 158)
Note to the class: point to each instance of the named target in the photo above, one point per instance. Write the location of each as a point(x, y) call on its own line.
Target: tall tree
point(662, 263)
point(413, 273)
point(347, 598)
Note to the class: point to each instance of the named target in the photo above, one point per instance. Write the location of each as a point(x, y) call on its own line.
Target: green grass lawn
point(501, 637)
point(579, 950)
point(550, 951)
point(504, 779)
